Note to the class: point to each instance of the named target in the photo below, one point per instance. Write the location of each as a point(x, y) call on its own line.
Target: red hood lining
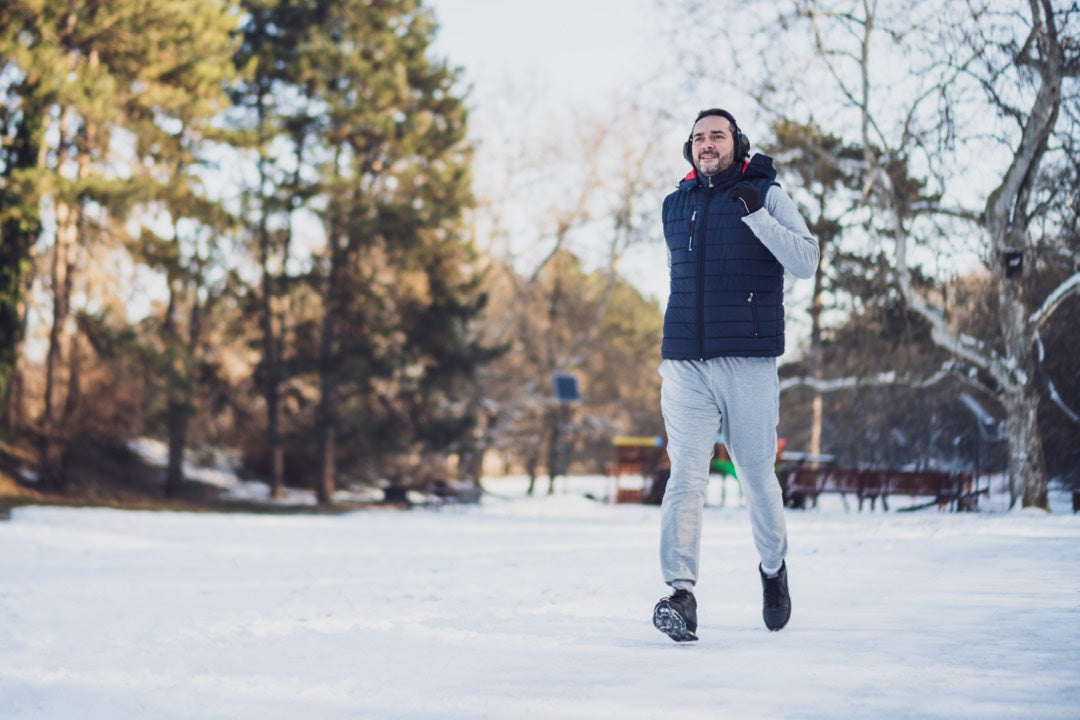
point(692, 175)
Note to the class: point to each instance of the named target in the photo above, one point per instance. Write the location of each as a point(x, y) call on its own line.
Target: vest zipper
point(701, 274)
point(690, 245)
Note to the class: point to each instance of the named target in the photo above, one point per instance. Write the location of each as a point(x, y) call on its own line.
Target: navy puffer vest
point(727, 289)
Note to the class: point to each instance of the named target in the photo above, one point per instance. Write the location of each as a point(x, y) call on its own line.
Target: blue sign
point(566, 387)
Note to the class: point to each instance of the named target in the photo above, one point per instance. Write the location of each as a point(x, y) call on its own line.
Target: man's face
point(713, 147)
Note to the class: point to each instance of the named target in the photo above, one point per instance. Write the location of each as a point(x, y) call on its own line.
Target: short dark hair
point(717, 111)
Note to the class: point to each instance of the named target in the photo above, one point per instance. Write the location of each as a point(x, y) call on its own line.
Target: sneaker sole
point(671, 624)
point(775, 627)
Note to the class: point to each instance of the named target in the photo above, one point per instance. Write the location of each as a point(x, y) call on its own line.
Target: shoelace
point(679, 600)
point(774, 593)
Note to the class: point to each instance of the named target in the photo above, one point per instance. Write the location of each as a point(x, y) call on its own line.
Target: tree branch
point(1063, 291)
point(824, 53)
point(1051, 389)
point(854, 382)
point(932, 208)
point(959, 344)
point(1056, 398)
point(1002, 201)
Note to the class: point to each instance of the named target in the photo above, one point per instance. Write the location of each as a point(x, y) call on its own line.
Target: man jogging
point(731, 232)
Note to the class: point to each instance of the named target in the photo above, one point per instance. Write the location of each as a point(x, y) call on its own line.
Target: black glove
point(748, 195)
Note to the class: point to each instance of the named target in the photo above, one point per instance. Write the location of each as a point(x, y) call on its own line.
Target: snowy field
point(531, 608)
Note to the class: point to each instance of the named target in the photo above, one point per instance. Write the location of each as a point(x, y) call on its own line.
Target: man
point(731, 232)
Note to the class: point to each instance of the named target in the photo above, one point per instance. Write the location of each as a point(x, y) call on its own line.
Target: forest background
point(256, 225)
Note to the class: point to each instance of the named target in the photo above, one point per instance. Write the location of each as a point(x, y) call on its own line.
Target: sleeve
point(780, 228)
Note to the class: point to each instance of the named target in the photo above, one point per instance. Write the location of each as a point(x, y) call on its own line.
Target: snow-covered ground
point(531, 608)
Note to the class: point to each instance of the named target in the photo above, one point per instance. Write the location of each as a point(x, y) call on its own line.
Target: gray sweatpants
point(741, 397)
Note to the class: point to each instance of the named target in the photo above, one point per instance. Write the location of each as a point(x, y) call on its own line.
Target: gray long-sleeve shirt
point(780, 227)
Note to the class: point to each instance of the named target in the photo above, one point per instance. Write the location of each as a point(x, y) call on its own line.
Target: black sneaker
point(777, 607)
point(676, 616)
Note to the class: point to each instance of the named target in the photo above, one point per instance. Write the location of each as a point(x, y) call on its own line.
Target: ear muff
point(742, 143)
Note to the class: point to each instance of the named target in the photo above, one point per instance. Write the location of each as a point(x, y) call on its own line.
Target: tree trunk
point(271, 360)
point(1027, 475)
point(324, 492)
point(14, 396)
point(71, 402)
point(68, 215)
point(1027, 472)
point(277, 462)
point(183, 394)
point(15, 272)
point(327, 410)
point(816, 420)
point(13, 400)
point(816, 308)
point(531, 461)
point(478, 446)
point(60, 275)
point(271, 342)
point(176, 423)
point(1007, 221)
point(553, 454)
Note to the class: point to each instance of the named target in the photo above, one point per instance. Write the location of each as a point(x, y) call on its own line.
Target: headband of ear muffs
point(742, 143)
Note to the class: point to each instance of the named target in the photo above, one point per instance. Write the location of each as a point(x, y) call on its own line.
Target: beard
point(715, 164)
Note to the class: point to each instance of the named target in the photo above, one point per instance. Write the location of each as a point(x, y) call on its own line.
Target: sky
point(533, 609)
point(574, 47)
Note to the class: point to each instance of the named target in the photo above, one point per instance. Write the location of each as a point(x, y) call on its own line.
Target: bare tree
point(562, 215)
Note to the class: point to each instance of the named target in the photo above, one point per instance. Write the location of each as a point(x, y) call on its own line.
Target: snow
point(534, 607)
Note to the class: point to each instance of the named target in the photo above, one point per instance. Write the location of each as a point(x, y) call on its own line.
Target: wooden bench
point(803, 485)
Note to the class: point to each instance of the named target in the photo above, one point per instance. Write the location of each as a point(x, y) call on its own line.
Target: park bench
point(640, 470)
point(803, 485)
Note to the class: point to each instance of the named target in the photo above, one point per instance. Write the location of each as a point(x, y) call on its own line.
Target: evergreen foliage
point(376, 129)
point(98, 82)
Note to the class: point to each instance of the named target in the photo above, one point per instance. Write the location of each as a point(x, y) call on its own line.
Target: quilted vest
point(727, 290)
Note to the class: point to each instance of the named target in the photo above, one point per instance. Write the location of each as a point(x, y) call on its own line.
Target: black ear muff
point(687, 152)
point(742, 144)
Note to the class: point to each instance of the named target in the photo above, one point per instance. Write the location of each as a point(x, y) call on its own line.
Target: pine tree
point(173, 122)
point(87, 69)
point(390, 129)
point(267, 60)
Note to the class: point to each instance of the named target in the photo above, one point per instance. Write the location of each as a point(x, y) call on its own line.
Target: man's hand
point(748, 195)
